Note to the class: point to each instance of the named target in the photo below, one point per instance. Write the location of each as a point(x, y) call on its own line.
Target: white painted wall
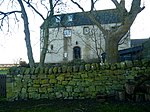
point(85, 42)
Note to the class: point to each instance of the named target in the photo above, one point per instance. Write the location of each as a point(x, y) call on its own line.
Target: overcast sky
point(12, 45)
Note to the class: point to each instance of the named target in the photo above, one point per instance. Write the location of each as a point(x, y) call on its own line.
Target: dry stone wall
point(74, 82)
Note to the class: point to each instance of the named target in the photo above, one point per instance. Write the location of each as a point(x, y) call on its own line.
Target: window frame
point(67, 33)
point(70, 18)
point(86, 30)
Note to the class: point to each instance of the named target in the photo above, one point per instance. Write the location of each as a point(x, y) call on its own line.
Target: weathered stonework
point(75, 82)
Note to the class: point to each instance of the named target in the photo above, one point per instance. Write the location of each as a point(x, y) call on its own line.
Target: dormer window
point(58, 19)
point(70, 17)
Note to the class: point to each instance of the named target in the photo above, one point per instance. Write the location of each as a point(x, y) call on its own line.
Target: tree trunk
point(27, 34)
point(45, 44)
point(111, 49)
point(46, 35)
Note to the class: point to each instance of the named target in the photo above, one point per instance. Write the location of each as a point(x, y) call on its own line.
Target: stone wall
point(74, 82)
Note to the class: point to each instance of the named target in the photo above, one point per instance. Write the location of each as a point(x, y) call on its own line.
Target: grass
point(71, 106)
point(3, 70)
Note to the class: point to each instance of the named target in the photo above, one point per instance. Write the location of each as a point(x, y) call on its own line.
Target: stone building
point(74, 36)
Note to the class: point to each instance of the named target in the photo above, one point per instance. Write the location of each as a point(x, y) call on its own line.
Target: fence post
point(3, 86)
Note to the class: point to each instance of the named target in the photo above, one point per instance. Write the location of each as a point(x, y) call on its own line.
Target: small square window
point(67, 32)
point(86, 30)
point(70, 17)
point(58, 19)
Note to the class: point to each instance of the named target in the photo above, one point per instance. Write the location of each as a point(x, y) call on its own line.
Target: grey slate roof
point(137, 42)
point(80, 18)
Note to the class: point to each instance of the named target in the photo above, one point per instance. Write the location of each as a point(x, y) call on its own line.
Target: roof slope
point(138, 42)
point(80, 18)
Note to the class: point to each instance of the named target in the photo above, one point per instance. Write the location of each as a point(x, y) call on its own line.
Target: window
point(86, 30)
point(52, 47)
point(70, 17)
point(67, 32)
point(77, 52)
point(58, 19)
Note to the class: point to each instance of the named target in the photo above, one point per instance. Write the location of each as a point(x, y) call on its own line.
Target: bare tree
point(113, 37)
point(27, 34)
point(50, 11)
point(5, 16)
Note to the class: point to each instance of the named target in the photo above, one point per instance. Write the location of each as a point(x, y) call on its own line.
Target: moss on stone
point(87, 67)
point(61, 77)
point(55, 70)
point(81, 68)
point(75, 68)
point(46, 70)
point(129, 64)
point(59, 70)
point(50, 71)
point(64, 69)
point(52, 81)
point(37, 70)
point(69, 69)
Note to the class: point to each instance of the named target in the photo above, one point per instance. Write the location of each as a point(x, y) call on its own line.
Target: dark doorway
point(77, 52)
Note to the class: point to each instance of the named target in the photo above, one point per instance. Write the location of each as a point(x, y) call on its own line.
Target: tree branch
point(92, 18)
point(78, 5)
point(135, 8)
point(27, 2)
point(5, 15)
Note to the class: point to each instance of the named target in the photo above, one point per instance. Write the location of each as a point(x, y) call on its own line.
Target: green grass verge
point(71, 106)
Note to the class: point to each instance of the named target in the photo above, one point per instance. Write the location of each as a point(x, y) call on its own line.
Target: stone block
point(34, 95)
point(81, 68)
point(50, 89)
point(36, 85)
point(32, 89)
point(55, 70)
point(64, 83)
point(36, 81)
point(32, 70)
point(51, 96)
point(59, 70)
point(77, 90)
point(27, 71)
point(84, 75)
point(42, 90)
point(44, 81)
point(65, 94)
point(45, 85)
point(44, 96)
point(75, 68)
point(92, 88)
point(69, 69)
point(51, 76)
point(46, 70)
point(69, 89)
point(37, 70)
point(61, 77)
point(129, 64)
point(42, 70)
point(50, 71)
point(64, 69)
point(58, 94)
point(72, 83)
point(87, 67)
point(123, 65)
point(52, 81)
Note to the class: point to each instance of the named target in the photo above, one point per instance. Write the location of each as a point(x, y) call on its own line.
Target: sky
point(12, 43)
